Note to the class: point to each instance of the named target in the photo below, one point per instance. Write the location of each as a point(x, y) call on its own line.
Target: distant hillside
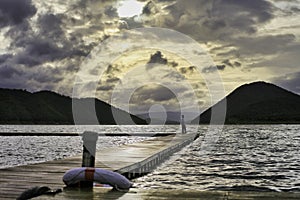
point(258, 103)
point(22, 107)
point(171, 118)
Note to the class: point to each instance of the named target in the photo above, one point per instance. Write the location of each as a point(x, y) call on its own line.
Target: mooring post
point(89, 153)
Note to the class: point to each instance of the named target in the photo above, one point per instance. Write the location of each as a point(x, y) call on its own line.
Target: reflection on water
point(259, 158)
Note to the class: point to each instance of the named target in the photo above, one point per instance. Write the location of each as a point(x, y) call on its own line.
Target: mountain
point(45, 107)
point(258, 103)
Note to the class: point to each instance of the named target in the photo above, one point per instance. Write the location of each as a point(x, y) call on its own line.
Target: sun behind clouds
point(130, 8)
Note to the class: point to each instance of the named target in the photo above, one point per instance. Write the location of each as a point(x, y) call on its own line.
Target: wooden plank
point(79, 134)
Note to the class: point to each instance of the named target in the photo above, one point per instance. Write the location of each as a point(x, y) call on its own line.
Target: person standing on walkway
point(183, 127)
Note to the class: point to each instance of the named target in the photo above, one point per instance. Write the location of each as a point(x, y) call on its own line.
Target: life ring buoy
point(116, 180)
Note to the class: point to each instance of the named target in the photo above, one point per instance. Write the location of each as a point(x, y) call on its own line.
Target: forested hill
point(45, 107)
point(258, 103)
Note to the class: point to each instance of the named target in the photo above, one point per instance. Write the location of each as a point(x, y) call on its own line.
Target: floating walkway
point(131, 160)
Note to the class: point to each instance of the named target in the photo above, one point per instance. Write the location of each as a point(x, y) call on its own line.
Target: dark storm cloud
point(287, 58)
point(295, 9)
point(56, 38)
point(46, 74)
point(152, 94)
point(13, 12)
point(268, 44)
point(157, 58)
point(237, 64)
point(5, 57)
point(289, 81)
point(110, 11)
point(241, 16)
point(51, 25)
point(56, 34)
point(113, 80)
point(105, 87)
point(216, 19)
point(228, 63)
point(45, 77)
point(38, 51)
point(231, 63)
point(212, 69)
point(113, 68)
point(190, 69)
point(7, 71)
point(48, 43)
point(150, 8)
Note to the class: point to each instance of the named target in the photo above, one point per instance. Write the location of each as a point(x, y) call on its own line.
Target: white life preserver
point(116, 180)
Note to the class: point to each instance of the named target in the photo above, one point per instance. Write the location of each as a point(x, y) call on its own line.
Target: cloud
point(8, 72)
point(267, 44)
point(157, 58)
point(212, 69)
point(105, 87)
point(13, 12)
point(174, 75)
point(59, 35)
point(286, 60)
point(150, 8)
point(289, 81)
point(38, 51)
point(188, 70)
point(216, 19)
point(231, 64)
point(113, 80)
point(33, 79)
point(152, 94)
point(51, 38)
point(52, 26)
point(5, 57)
point(147, 96)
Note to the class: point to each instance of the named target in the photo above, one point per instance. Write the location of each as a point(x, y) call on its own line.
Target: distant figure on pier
point(183, 127)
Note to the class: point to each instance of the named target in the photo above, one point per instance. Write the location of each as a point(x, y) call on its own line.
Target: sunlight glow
point(130, 8)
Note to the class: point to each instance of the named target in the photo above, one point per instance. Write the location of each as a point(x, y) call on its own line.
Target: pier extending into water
point(131, 160)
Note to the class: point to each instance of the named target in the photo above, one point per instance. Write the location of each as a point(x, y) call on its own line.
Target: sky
point(198, 52)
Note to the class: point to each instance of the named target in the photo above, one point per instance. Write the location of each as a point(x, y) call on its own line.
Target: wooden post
point(89, 153)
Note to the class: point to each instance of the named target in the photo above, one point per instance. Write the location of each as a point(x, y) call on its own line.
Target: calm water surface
point(259, 158)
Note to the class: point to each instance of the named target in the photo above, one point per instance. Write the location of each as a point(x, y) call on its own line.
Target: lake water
point(247, 157)
point(256, 158)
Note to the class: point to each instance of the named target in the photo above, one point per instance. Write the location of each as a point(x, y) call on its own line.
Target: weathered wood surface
point(132, 157)
point(140, 194)
point(79, 134)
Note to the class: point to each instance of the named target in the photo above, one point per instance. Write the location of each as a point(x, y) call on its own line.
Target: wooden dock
point(163, 134)
point(131, 160)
